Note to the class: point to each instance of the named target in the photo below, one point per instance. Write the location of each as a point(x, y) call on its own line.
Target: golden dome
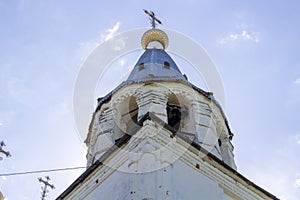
point(155, 35)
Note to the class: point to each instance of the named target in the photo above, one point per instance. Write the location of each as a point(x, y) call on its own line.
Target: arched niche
point(178, 112)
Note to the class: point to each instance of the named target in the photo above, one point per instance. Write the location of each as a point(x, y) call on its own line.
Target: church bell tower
point(157, 136)
point(156, 88)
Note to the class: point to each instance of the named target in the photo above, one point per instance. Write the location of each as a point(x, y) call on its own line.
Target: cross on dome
point(153, 19)
point(154, 36)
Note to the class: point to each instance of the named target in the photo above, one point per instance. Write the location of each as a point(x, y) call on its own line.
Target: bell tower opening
point(130, 113)
point(173, 112)
point(133, 109)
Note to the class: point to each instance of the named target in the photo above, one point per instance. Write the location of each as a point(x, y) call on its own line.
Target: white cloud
point(111, 31)
point(297, 139)
point(243, 35)
point(297, 183)
point(297, 81)
point(1, 124)
point(90, 46)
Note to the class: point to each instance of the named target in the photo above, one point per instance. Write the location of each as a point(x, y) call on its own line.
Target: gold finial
point(155, 35)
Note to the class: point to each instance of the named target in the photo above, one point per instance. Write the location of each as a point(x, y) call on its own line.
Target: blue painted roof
point(155, 63)
point(157, 56)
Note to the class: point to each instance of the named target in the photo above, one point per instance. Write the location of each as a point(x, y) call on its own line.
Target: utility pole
point(6, 153)
point(46, 184)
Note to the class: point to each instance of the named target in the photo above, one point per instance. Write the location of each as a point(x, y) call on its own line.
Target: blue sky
point(255, 46)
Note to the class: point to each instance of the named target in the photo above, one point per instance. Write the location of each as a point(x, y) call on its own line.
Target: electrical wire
point(41, 171)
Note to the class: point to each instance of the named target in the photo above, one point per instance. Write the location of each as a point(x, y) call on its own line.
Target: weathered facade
point(157, 136)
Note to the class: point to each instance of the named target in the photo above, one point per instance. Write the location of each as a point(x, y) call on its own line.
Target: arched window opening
point(173, 112)
point(141, 66)
point(133, 110)
point(130, 113)
point(166, 65)
point(219, 142)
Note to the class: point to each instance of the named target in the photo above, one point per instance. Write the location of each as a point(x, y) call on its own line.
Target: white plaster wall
point(153, 165)
point(176, 182)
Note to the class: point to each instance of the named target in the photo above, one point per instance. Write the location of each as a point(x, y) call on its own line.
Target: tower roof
point(155, 63)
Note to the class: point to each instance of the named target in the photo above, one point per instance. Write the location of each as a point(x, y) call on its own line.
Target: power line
point(41, 171)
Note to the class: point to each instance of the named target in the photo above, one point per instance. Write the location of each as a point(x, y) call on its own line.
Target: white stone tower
point(157, 136)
